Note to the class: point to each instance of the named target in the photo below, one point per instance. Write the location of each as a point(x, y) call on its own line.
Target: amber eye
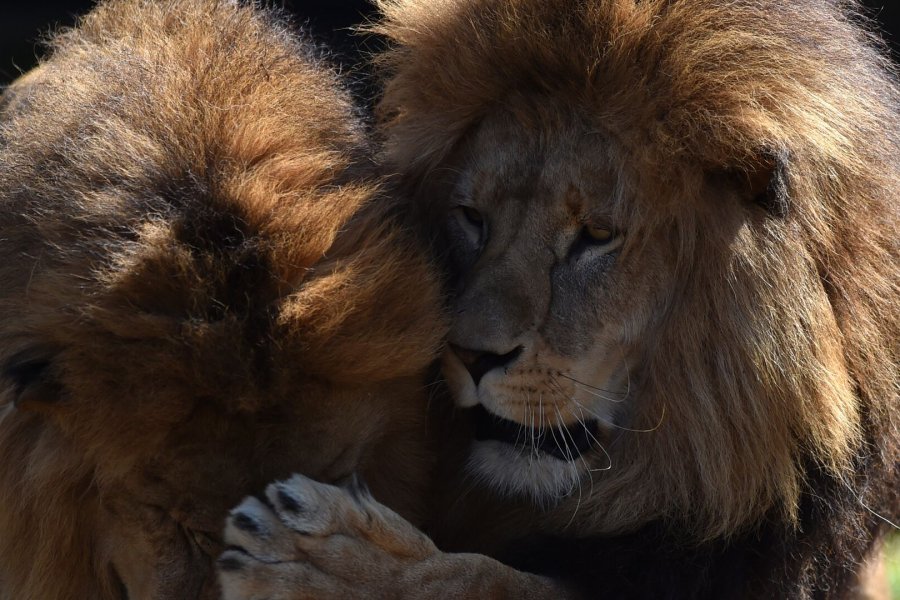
point(473, 216)
point(597, 235)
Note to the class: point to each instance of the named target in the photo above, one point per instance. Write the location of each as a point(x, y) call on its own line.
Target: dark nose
point(479, 362)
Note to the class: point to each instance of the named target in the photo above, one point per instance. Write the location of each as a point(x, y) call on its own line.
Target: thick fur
point(200, 290)
point(756, 143)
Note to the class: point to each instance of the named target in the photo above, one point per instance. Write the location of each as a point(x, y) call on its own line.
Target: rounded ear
point(768, 179)
point(30, 375)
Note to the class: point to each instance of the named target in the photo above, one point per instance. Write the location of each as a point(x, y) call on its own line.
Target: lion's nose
point(480, 362)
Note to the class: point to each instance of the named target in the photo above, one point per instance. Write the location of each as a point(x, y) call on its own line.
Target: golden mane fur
point(200, 291)
point(776, 357)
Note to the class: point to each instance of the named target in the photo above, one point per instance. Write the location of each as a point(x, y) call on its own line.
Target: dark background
point(22, 27)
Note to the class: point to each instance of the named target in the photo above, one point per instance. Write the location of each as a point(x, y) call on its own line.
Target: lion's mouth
point(565, 442)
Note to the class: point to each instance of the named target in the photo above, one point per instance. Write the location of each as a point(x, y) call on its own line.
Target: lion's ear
point(29, 374)
point(768, 179)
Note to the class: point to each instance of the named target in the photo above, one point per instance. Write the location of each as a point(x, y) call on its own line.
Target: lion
point(672, 229)
point(204, 287)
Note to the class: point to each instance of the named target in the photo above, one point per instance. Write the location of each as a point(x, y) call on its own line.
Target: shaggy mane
point(201, 290)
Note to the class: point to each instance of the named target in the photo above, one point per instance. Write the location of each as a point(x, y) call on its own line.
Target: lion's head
point(201, 290)
point(673, 233)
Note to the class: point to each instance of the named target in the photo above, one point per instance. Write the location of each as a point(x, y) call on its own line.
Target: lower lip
point(565, 442)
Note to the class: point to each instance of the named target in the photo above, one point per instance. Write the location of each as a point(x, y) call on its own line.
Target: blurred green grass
point(893, 565)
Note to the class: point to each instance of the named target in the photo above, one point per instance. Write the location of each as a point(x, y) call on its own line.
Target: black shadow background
point(22, 27)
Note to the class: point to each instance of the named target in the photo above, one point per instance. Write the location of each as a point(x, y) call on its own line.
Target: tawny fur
point(776, 358)
point(201, 290)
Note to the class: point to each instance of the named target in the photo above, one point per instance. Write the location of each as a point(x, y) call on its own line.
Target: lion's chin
point(544, 464)
point(515, 471)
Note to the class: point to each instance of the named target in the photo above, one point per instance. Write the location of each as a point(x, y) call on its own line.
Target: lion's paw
point(313, 540)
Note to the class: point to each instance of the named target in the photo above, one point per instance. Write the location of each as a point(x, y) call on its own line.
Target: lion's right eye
point(473, 216)
point(472, 223)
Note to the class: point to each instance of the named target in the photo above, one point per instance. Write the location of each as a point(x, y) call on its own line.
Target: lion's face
point(552, 301)
point(692, 219)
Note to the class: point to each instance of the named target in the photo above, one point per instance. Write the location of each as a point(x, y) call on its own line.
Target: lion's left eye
point(597, 235)
point(594, 240)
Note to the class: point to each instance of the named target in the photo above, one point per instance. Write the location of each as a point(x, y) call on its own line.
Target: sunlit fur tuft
point(201, 290)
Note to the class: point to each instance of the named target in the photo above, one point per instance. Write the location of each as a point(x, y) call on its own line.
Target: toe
point(308, 507)
point(253, 527)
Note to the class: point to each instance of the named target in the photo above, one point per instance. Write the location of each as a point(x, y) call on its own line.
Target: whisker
point(622, 427)
point(555, 439)
point(609, 462)
point(590, 473)
point(555, 383)
point(570, 463)
point(562, 432)
point(627, 372)
point(566, 398)
point(599, 445)
point(435, 383)
point(519, 435)
point(587, 429)
point(531, 415)
point(593, 387)
point(595, 391)
point(576, 479)
point(587, 467)
point(540, 413)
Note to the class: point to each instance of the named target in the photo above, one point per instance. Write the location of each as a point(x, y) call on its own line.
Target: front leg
point(318, 541)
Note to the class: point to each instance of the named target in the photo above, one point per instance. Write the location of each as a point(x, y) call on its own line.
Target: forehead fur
point(179, 179)
point(695, 80)
point(781, 339)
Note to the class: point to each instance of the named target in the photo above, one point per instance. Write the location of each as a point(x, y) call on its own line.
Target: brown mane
point(200, 291)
